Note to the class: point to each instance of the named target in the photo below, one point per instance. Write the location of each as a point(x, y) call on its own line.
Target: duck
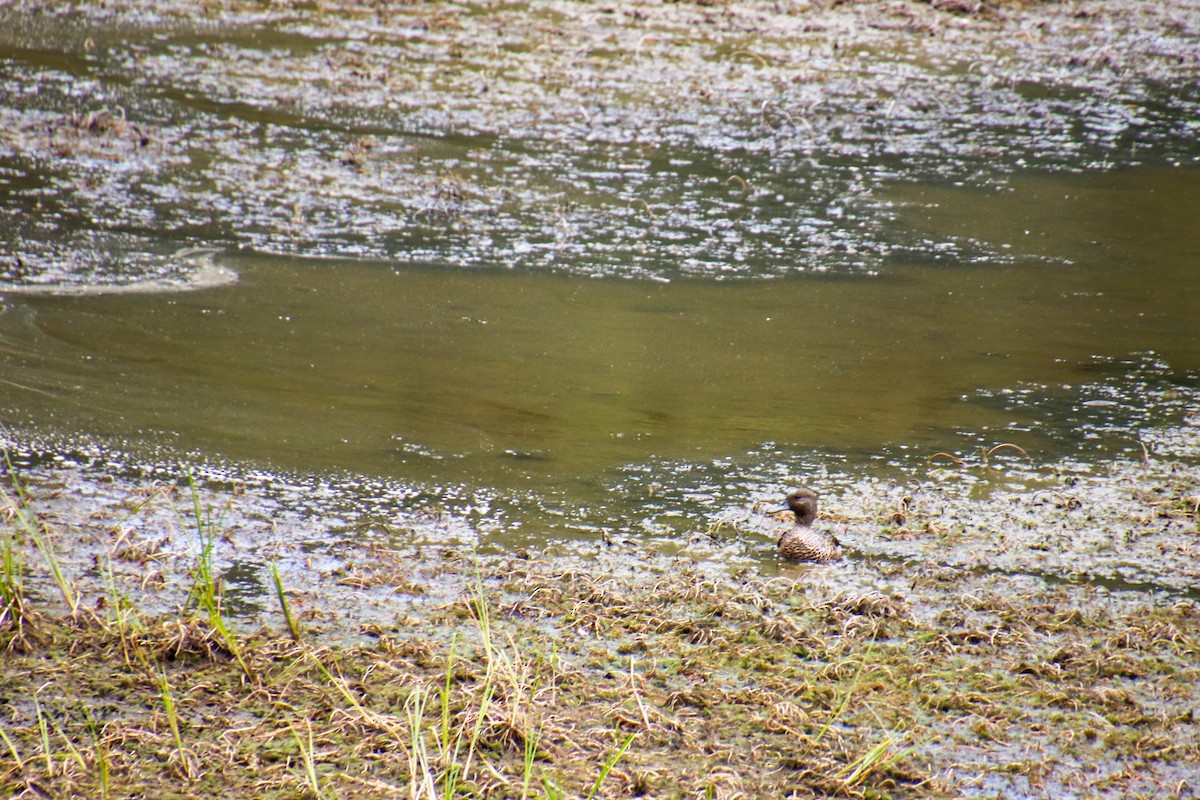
point(801, 542)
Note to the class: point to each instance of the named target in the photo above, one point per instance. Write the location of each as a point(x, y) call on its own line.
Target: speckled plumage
point(801, 542)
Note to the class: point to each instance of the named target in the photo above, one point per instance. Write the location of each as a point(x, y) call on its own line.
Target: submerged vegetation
point(545, 677)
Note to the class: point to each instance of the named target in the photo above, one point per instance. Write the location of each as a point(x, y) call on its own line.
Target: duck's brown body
point(801, 542)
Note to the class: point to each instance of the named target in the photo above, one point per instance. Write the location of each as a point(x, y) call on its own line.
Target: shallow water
point(534, 279)
point(529, 380)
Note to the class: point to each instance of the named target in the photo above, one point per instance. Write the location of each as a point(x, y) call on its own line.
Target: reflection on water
point(550, 382)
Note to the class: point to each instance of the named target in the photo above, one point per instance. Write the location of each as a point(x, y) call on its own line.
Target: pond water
point(411, 288)
point(591, 310)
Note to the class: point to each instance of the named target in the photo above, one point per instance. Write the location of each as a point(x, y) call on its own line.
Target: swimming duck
point(801, 542)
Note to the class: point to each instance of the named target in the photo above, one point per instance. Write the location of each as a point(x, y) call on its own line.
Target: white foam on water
point(202, 272)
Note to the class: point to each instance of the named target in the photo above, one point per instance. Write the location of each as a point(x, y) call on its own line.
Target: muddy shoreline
point(1126, 527)
point(894, 673)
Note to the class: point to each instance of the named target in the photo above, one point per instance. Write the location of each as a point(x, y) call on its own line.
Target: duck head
point(802, 503)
